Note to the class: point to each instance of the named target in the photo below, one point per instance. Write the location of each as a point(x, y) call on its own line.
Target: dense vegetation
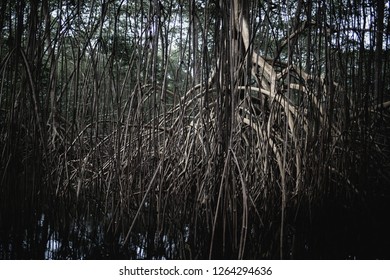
point(194, 129)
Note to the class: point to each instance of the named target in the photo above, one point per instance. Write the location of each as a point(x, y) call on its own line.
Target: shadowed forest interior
point(199, 129)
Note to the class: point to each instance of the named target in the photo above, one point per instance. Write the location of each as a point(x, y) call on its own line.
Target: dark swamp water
point(63, 232)
point(34, 227)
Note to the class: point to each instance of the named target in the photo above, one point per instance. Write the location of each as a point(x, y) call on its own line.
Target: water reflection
point(75, 229)
point(57, 234)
